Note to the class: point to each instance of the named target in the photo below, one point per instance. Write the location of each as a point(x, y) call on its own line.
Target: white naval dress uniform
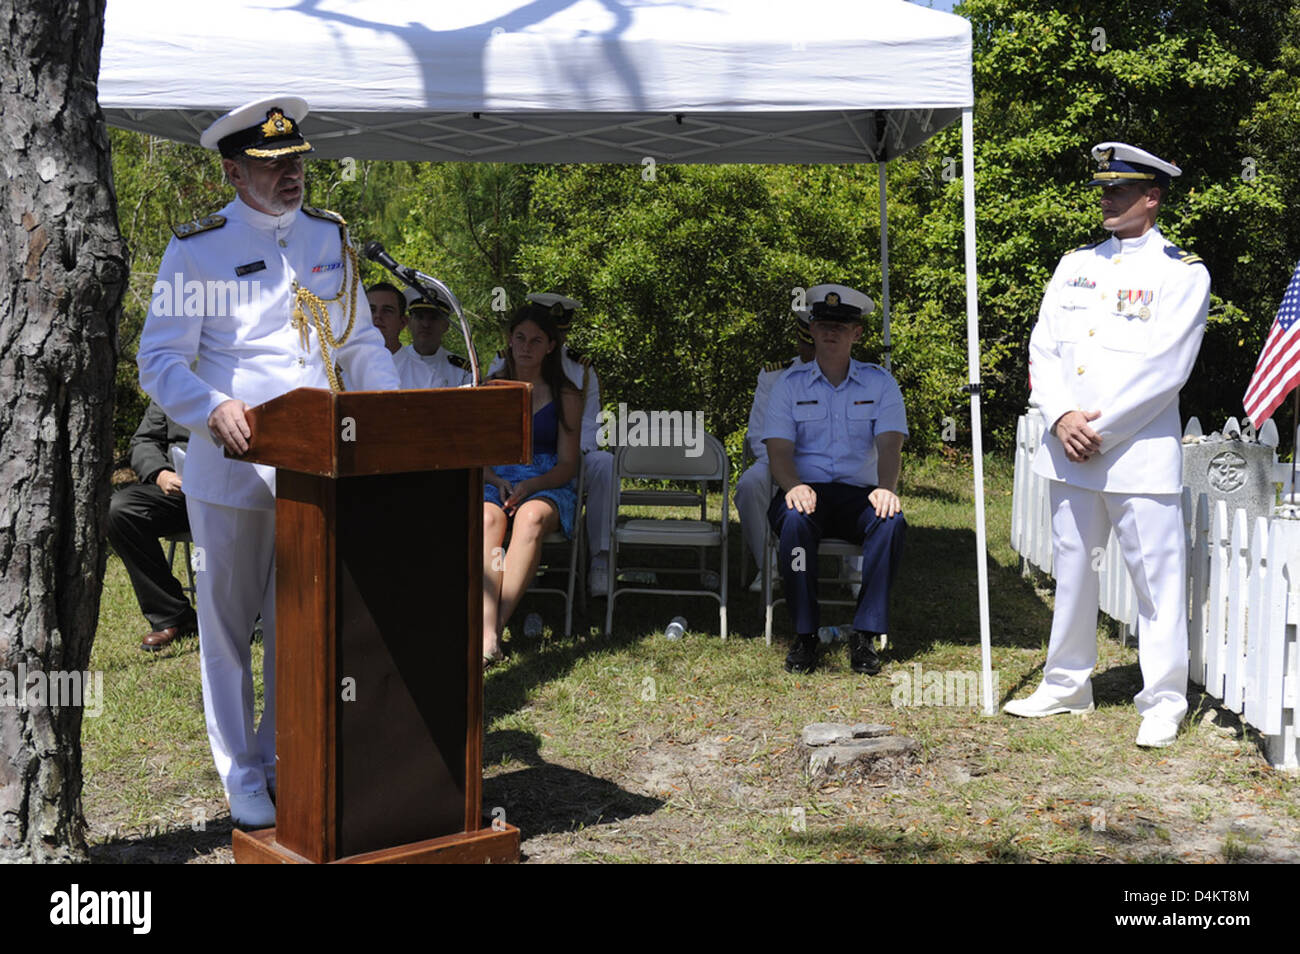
point(247, 350)
point(412, 372)
point(597, 464)
point(754, 486)
point(448, 370)
point(1118, 332)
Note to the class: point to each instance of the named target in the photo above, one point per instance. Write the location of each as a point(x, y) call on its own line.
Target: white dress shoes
point(252, 810)
point(1157, 733)
point(1042, 704)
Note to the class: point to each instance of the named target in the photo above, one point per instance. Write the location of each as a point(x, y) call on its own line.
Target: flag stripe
point(1277, 371)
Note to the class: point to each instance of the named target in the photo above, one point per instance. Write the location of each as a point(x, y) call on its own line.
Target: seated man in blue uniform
point(834, 432)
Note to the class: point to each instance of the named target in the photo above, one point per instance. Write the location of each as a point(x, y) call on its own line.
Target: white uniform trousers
point(236, 581)
point(1150, 531)
point(753, 495)
point(598, 472)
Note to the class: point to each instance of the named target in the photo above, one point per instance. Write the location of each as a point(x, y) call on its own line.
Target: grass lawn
point(635, 748)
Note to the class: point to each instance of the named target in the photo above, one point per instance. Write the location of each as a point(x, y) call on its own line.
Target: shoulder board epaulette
point(325, 214)
point(1187, 258)
point(457, 360)
point(502, 354)
point(778, 365)
point(582, 359)
point(1084, 248)
point(205, 224)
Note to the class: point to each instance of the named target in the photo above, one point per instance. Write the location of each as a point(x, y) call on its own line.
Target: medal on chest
point(1134, 303)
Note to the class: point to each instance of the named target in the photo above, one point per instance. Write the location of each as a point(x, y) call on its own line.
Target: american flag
point(1278, 368)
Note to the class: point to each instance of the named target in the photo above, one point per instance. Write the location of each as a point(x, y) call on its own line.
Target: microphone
point(421, 282)
point(375, 252)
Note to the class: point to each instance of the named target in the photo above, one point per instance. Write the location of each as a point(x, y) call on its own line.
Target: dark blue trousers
point(843, 511)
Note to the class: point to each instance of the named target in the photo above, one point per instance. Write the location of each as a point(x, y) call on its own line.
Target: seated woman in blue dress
point(534, 499)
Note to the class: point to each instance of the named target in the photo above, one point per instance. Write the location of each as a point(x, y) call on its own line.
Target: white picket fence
point(1243, 586)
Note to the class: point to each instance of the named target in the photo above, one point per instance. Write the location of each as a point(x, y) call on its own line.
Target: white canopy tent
point(627, 81)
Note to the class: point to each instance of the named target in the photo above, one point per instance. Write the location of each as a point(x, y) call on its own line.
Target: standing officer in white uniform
point(429, 321)
point(597, 464)
point(753, 489)
point(254, 301)
point(834, 430)
point(1119, 329)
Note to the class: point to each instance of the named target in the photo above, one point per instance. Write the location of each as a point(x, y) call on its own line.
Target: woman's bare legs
point(532, 522)
point(494, 563)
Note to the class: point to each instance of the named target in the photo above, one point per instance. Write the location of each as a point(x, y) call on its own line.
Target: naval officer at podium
point(256, 300)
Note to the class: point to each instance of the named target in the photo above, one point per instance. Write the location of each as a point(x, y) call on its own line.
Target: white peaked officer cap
point(264, 129)
point(559, 308)
point(549, 299)
point(415, 300)
point(838, 303)
point(1119, 163)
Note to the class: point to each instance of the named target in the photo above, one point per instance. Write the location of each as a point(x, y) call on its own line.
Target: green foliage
point(159, 184)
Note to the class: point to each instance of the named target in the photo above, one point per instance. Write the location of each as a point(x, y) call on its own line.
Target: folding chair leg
point(189, 573)
point(767, 586)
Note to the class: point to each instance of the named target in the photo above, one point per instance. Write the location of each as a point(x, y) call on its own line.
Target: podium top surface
point(357, 433)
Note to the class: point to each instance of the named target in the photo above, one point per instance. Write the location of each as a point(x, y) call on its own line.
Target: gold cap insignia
point(1103, 161)
point(557, 310)
point(832, 299)
point(277, 124)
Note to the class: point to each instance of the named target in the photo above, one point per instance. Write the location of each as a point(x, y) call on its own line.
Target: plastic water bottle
point(533, 626)
point(828, 634)
point(676, 629)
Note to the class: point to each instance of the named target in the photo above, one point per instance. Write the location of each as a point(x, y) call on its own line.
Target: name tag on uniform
point(250, 268)
point(865, 402)
point(807, 402)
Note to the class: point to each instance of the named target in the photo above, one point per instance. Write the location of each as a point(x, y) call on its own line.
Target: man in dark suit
point(141, 513)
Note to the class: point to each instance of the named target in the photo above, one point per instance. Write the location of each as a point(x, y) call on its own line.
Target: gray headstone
point(1238, 472)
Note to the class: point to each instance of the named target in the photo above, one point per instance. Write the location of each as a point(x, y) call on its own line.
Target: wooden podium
point(378, 669)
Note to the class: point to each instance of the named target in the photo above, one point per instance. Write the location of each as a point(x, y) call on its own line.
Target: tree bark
point(65, 272)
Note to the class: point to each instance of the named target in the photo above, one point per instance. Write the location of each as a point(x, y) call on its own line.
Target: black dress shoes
point(802, 657)
point(863, 655)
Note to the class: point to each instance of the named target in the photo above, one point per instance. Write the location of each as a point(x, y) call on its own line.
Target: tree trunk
point(60, 299)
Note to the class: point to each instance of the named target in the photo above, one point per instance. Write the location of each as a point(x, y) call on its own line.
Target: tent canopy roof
point(552, 80)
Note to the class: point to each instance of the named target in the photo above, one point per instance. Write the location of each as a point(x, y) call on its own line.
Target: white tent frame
point(663, 129)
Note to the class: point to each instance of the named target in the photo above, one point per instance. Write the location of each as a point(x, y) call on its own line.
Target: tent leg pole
point(884, 266)
point(977, 438)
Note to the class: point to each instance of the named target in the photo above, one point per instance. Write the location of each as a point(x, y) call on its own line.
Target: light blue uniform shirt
point(834, 428)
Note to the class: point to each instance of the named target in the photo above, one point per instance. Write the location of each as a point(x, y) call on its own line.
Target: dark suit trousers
point(137, 516)
point(843, 511)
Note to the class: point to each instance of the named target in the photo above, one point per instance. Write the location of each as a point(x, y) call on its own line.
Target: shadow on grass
point(931, 492)
point(882, 844)
point(173, 846)
point(547, 798)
